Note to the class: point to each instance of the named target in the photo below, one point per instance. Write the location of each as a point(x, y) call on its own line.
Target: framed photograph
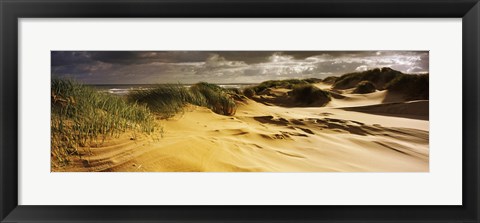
point(230, 111)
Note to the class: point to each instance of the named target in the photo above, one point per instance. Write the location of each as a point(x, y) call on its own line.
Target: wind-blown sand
point(353, 133)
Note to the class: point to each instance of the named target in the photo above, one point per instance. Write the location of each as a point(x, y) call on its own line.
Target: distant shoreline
point(105, 85)
point(122, 89)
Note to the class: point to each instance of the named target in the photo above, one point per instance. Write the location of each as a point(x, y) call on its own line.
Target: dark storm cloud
point(122, 57)
point(140, 57)
point(225, 66)
point(127, 57)
point(249, 57)
point(60, 58)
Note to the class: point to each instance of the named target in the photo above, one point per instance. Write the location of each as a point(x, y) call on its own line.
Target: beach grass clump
point(288, 84)
point(166, 100)
point(219, 100)
point(379, 77)
point(249, 92)
point(312, 80)
point(310, 95)
point(83, 117)
point(365, 87)
point(412, 86)
point(236, 91)
point(330, 80)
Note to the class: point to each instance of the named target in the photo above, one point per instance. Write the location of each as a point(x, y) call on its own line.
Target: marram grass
point(167, 100)
point(83, 117)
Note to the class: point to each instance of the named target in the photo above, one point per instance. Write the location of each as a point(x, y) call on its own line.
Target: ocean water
point(123, 89)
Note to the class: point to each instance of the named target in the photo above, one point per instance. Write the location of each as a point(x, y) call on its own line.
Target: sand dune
point(354, 100)
point(411, 109)
point(353, 133)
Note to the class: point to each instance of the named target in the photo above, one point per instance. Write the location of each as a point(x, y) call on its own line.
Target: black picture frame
point(12, 10)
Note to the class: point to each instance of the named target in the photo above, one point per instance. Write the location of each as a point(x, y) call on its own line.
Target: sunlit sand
point(355, 134)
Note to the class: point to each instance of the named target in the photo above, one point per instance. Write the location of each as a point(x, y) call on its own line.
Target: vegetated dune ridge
point(372, 132)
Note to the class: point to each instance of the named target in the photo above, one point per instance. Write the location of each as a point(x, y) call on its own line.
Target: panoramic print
point(239, 111)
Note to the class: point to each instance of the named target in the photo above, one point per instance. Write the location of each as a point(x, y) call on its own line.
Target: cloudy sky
point(145, 67)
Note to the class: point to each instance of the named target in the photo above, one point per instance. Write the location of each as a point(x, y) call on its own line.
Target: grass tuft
point(414, 87)
point(167, 100)
point(249, 92)
point(288, 84)
point(309, 94)
point(83, 117)
point(219, 100)
point(379, 77)
point(330, 80)
point(365, 87)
